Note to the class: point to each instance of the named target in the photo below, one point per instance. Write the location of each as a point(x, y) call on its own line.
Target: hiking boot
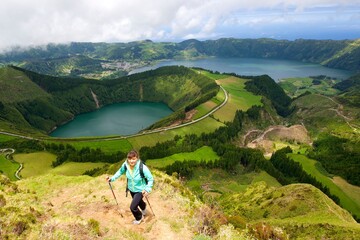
point(144, 212)
point(137, 222)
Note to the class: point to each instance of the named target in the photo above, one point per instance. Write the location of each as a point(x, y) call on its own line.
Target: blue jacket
point(135, 182)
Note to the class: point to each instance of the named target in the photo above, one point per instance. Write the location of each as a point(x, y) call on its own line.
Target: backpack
point(141, 170)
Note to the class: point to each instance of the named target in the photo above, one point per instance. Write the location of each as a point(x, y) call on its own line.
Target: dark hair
point(133, 153)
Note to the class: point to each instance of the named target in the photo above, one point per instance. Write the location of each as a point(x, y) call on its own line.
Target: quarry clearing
point(265, 140)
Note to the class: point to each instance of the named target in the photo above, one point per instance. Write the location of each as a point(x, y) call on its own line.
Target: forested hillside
point(62, 98)
point(104, 59)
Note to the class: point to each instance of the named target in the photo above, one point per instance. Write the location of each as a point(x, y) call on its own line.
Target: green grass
point(309, 165)
point(75, 168)
point(211, 75)
point(107, 146)
point(206, 107)
point(239, 98)
point(351, 190)
point(17, 87)
point(34, 164)
point(204, 153)
point(204, 126)
point(297, 86)
point(39, 163)
point(221, 181)
point(8, 168)
point(5, 138)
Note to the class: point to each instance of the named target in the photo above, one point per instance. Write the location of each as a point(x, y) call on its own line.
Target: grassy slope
point(34, 164)
point(302, 210)
point(204, 153)
point(17, 87)
point(318, 114)
point(217, 180)
point(8, 168)
point(75, 168)
point(39, 163)
point(108, 146)
point(84, 208)
point(297, 86)
point(239, 98)
point(309, 165)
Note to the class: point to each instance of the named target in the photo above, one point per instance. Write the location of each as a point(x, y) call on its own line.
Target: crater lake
point(130, 118)
point(114, 119)
point(276, 68)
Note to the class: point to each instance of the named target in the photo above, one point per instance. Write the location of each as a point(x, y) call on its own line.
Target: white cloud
point(26, 22)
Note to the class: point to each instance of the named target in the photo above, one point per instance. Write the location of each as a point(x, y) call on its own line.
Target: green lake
point(114, 119)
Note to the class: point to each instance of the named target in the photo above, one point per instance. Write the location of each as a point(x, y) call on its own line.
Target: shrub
point(2, 201)
point(94, 226)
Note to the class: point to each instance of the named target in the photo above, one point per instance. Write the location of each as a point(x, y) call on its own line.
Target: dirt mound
point(266, 140)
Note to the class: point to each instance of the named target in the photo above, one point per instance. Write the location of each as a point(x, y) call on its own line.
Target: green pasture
point(39, 163)
point(34, 164)
point(5, 138)
point(204, 126)
point(107, 146)
point(218, 180)
point(204, 153)
point(310, 166)
point(214, 76)
point(75, 168)
point(351, 190)
point(8, 168)
point(206, 107)
point(297, 86)
point(239, 98)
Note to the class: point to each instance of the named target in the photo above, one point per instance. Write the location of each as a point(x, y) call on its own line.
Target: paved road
point(5, 150)
point(137, 134)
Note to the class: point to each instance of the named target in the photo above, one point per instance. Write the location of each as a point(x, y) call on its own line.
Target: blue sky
point(38, 22)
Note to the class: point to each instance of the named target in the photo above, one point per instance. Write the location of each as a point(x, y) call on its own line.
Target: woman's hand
point(108, 179)
point(145, 193)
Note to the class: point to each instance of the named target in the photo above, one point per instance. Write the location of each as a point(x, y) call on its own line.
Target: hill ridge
point(83, 207)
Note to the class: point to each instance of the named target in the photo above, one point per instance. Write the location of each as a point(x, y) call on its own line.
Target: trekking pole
point(150, 205)
point(115, 197)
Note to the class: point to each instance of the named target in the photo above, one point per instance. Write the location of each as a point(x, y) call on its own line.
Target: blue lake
point(130, 118)
point(276, 69)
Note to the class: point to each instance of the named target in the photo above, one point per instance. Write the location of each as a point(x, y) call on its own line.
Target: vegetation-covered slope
point(61, 98)
point(104, 59)
point(84, 208)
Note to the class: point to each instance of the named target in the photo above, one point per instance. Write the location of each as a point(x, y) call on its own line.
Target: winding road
point(4, 150)
point(133, 135)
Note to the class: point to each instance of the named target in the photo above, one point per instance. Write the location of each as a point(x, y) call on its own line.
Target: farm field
point(75, 168)
point(297, 86)
point(39, 163)
point(204, 153)
point(239, 98)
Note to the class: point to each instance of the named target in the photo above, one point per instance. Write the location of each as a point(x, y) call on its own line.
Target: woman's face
point(132, 161)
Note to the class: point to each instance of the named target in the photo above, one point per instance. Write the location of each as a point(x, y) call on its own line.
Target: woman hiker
point(139, 183)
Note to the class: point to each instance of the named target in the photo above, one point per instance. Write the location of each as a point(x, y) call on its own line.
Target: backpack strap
point(142, 172)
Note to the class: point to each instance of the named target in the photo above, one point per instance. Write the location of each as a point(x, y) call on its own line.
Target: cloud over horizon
point(38, 22)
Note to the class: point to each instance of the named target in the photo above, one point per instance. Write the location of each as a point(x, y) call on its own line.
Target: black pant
point(137, 201)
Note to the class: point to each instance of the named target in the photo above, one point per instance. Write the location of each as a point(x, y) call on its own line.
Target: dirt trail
point(95, 201)
point(339, 112)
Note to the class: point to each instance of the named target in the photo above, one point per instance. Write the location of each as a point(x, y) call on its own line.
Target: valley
point(240, 156)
